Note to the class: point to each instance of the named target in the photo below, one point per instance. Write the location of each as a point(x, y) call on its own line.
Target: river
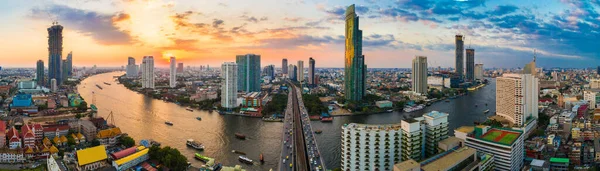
point(143, 118)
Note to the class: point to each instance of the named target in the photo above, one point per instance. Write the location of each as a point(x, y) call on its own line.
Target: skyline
point(201, 33)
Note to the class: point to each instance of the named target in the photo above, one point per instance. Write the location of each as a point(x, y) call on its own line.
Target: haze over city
point(504, 33)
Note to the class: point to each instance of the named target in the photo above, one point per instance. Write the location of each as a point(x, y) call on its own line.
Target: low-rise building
point(109, 137)
point(458, 158)
point(91, 158)
point(384, 104)
point(11, 155)
point(14, 140)
point(132, 160)
point(559, 164)
point(52, 131)
point(2, 134)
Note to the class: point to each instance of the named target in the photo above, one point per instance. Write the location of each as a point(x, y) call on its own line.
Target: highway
point(299, 150)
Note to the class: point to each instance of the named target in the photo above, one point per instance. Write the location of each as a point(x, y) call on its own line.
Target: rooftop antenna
point(534, 55)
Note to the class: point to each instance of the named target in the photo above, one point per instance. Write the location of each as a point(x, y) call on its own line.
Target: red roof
point(26, 131)
point(54, 128)
point(37, 127)
point(123, 153)
point(2, 128)
point(13, 134)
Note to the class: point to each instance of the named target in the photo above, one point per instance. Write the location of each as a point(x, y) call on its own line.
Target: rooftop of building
point(91, 155)
point(369, 127)
point(411, 120)
point(465, 129)
point(435, 114)
point(406, 165)
point(559, 160)
point(501, 136)
point(452, 158)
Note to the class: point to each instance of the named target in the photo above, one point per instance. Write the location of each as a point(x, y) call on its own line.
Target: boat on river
point(318, 131)
point(486, 111)
point(107, 83)
point(194, 144)
point(245, 159)
point(198, 118)
point(262, 159)
point(238, 152)
point(169, 123)
point(240, 136)
point(202, 158)
point(189, 109)
point(272, 119)
point(99, 86)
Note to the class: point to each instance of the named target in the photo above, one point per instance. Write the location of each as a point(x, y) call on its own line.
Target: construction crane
point(110, 119)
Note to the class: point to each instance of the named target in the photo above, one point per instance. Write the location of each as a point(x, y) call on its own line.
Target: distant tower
point(53, 85)
point(148, 72)
point(284, 67)
point(300, 71)
point(172, 73)
point(459, 55)
point(229, 89)
point(55, 41)
point(470, 64)
point(311, 71)
point(530, 68)
point(69, 64)
point(39, 73)
point(419, 74)
point(355, 69)
point(132, 68)
point(248, 72)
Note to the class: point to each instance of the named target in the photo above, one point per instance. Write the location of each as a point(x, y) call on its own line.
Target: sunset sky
point(199, 32)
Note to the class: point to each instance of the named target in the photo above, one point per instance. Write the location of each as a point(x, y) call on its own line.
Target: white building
point(594, 83)
point(412, 139)
point(478, 71)
point(300, 71)
point(229, 85)
point(148, 72)
point(435, 81)
point(132, 68)
point(436, 130)
point(366, 147)
point(590, 96)
point(173, 73)
point(419, 74)
point(517, 98)
point(506, 145)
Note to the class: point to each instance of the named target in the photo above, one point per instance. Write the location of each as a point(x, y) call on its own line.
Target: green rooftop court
point(501, 136)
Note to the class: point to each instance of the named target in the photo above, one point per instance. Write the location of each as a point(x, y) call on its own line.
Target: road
point(298, 138)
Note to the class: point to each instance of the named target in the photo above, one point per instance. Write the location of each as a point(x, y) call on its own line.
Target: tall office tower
point(180, 68)
point(291, 72)
point(69, 64)
point(284, 66)
point(355, 69)
point(229, 89)
point(269, 71)
point(53, 85)
point(148, 72)
point(295, 73)
point(248, 72)
point(55, 39)
point(470, 64)
point(530, 68)
point(419, 74)
point(172, 73)
point(39, 73)
point(436, 130)
point(370, 147)
point(517, 98)
point(311, 71)
point(459, 56)
point(478, 72)
point(300, 73)
point(132, 68)
point(65, 70)
point(598, 70)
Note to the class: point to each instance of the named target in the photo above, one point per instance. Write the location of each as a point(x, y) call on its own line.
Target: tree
point(170, 157)
point(127, 141)
point(95, 143)
point(83, 106)
point(70, 141)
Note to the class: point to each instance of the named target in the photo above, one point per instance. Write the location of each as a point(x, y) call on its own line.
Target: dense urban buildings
point(284, 66)
point(355, 69)
point(180, 68)
point(39, 73)
point(460, 61)
point(269, 71)
point(300, 74)
point(478, 72)
point(132, 68)
point(311, 71)
point(172, 73)
point(419, 74)
point(148, 72)
point(55, 42)
point(470, 64)
point(229, 87)
point(248, 72)
point(517, 97)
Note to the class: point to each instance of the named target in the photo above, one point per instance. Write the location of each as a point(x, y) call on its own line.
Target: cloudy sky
point(199, 32)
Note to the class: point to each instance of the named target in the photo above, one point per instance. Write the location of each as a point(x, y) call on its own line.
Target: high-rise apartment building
point(311, 71)
point(366, 147)
point(148, 72)
point(517, 98)
point(419, 74)
point(592, 96)
point(300, 71)
point(470, 64)
point(478, 72)
point(295, 73)
point(69, 64)
point(459, 56)
point(594, 83)
point(132, 68)
point(436, 130)
point(284, 66)
point(55, 41)
point(229, 87)
point(39, 73)
point(292, 72)
point(248, 72)
point(355, 69)
point(269, 71)
point(65, 70)
point(172, 73)
point(53, 85)
point(180, 68)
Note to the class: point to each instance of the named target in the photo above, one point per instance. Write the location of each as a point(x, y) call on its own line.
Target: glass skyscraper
point(470, 64)
point(248, 72)
point(55, 53)
point(355, 68)
point(39, 73)
point(460, 56)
